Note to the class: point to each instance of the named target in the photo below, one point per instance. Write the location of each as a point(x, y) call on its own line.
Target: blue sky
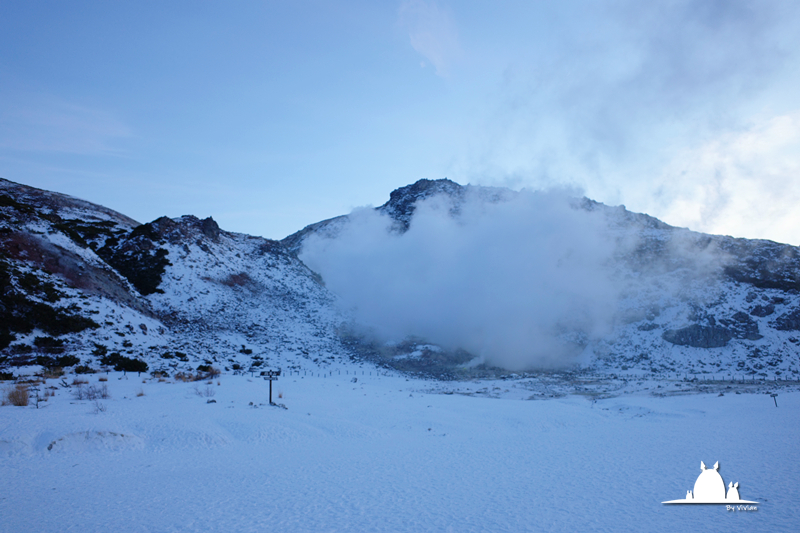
point(272, 115)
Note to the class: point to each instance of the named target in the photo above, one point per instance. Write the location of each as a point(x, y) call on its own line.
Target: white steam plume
point(503, 280)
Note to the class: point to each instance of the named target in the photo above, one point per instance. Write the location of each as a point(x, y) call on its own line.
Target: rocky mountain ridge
point(83, 280)
point(692, 302)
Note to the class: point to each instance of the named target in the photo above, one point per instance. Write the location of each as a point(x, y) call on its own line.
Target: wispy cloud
point(432, 33)
point(48, 124)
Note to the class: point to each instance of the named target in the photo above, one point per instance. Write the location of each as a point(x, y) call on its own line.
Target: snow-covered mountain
point(684, 302)
point(80, 279)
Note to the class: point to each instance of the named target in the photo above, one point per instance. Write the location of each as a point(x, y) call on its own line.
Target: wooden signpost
point(271, 375)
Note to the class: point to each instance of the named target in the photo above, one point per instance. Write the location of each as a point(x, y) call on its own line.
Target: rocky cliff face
point(401, 207)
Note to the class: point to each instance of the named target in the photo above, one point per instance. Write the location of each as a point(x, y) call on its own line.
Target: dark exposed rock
point(762, 310)
point(701, 316)
point(788, 321)
point(400, 207)
point(403, 201)
point(20, 312)
point(699, 336)
point(763, 264)
point(742, 326)
point(138, 257)
point(210, 228)
point(714, 333)
point(648, 326)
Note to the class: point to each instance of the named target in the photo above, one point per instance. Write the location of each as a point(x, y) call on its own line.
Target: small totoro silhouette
point(733, 491)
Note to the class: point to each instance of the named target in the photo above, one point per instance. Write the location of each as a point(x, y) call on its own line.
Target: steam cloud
point(508, 281)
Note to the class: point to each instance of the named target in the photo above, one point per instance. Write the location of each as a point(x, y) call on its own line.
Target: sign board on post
point(271, 375)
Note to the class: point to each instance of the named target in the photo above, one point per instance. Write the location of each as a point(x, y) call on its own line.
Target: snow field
point(382, 454)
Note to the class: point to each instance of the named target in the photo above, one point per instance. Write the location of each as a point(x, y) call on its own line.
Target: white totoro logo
point(710, 488)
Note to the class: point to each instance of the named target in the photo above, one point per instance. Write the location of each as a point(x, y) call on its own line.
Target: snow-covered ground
point(387, 453)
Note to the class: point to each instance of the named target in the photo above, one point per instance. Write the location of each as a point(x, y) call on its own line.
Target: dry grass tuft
point(80, 381)
point(92, 392)
point(184, 376)
point(103, 391)
point(140, 393)
point(102, 378)
point(207, 392)
point(53, 372)
point(18, 396)
point(199, 376)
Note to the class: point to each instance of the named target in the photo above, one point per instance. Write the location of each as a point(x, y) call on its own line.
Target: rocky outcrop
point(788, 321)
point(742, 326)
point(699, 336)
point(762, 310)
point(29, 301)
point(139, 258)
point(400, 207)
point(760, 263)
point(210, 228)
point(714, 333)
point(403, 201)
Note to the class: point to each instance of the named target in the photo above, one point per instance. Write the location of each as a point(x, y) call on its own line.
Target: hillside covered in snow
point(81, 280)
point(443, 280)
point(521, 280)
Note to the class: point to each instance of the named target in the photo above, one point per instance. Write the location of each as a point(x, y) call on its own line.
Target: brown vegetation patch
point(18, 396)
point(238, 280)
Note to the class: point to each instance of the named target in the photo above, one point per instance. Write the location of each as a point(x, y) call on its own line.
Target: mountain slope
point(684, 302)
point(82, 280)
point(171, 292)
